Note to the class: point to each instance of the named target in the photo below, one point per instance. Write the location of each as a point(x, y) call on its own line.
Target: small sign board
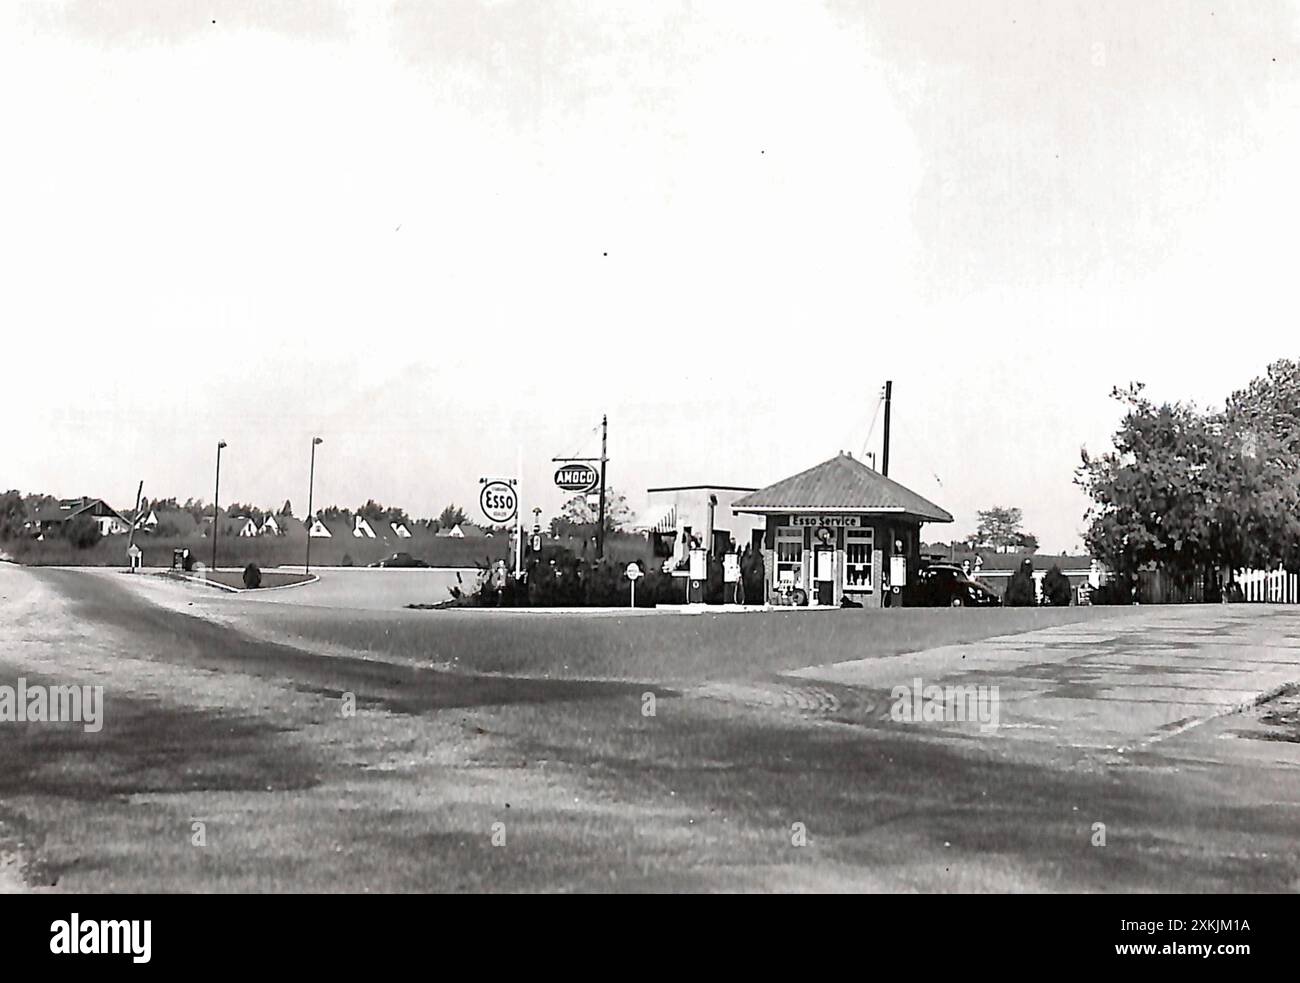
point(498, 501)
point(577, 478)
point(633, 571)
point(844, 521)
point(730, 568)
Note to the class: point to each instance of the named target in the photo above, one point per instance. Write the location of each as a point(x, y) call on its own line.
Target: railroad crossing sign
point(577, 478)
point(498, 500)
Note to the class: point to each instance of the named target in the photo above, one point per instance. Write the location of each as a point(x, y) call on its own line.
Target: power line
point(880, 400)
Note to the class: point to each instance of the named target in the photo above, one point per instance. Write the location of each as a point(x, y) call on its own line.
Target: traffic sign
point(577, 478)
point(498, 501)
point(633, 571)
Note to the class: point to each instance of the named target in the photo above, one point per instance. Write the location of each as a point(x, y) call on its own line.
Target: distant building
point(270, 527)
point(53, 518)
point(678, 517)
point(400, 529)
point(241, 525)
point(317, 529)
point(455, 532)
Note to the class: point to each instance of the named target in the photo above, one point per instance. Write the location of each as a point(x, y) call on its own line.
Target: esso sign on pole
point(577, 478)
point(498, 501)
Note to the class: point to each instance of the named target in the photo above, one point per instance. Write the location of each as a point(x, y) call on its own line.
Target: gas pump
point(897, 574)
point(699, 576)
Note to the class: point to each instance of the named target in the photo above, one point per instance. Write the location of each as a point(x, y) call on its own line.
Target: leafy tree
point(287, 509)
point(1020, 589)
point(999, 528)
point(1188, 492)
point(13, 513)
point(452, 515)
point(578, 512)
point(1056, 588)
point(1027, 542)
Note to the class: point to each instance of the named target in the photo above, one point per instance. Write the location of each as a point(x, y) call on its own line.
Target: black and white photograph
point(650, 447)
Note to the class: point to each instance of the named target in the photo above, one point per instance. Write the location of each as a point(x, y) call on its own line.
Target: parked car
point(943, 585)
point(399, 560)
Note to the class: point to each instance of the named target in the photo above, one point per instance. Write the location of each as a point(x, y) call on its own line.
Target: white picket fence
point(1270, 586)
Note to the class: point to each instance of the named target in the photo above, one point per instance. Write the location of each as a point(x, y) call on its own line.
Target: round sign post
point(498, 501)
point(633, 573)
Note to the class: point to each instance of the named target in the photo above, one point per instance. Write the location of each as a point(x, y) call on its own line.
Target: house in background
point(400, 529)
point(455, 532)
point(363, 528)
point(240, 525)
point(271, 527)
point(317, 529)
point(995, 570)
point(53, 518)
point(147, 522)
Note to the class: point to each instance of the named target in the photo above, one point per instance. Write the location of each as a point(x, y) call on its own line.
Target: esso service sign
point(498, 501)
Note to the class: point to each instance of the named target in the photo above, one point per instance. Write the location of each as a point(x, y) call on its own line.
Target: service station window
point(789, 555)
point(857, 559)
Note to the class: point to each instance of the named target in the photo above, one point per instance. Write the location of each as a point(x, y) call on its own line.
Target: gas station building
point(839, 530)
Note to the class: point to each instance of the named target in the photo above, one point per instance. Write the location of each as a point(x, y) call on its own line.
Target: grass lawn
point(667, 648)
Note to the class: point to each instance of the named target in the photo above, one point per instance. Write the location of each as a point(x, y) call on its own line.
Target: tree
point(451, 516)
point(287, 509)
point(13, 513)
point(999, 528)
point(82, 532)
point(577, 512)
point(1189, 491)
point(1056, 588)
point(1020, 589)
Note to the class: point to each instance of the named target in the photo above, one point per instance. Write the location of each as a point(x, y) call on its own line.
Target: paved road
point(1115, 685)
point(1126, 725)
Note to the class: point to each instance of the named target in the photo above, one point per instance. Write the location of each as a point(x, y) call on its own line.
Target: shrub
point(83, 532)
point(252, 576)
point(1056, 588)
point(1020, 591)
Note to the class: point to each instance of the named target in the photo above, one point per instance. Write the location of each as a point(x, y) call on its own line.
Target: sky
point(448, 236)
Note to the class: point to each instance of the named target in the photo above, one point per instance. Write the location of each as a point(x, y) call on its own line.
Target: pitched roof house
point(51, 518)
point(240, 525)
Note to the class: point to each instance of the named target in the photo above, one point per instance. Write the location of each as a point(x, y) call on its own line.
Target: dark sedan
point(942, 585)
point(399, 560)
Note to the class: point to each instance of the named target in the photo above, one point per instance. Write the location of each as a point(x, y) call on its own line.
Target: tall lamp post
point(311, 487)
point(216, 497)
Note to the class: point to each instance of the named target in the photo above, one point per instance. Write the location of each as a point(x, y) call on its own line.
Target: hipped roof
point(842, 484)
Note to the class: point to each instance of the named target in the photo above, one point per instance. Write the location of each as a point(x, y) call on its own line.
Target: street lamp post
point(216, 497)
point(311, 487)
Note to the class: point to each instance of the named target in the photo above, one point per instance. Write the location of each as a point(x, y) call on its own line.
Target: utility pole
point(216, 497)
point(884, 457)
point(600, 529)
point(311, 488)
point(135, 517)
